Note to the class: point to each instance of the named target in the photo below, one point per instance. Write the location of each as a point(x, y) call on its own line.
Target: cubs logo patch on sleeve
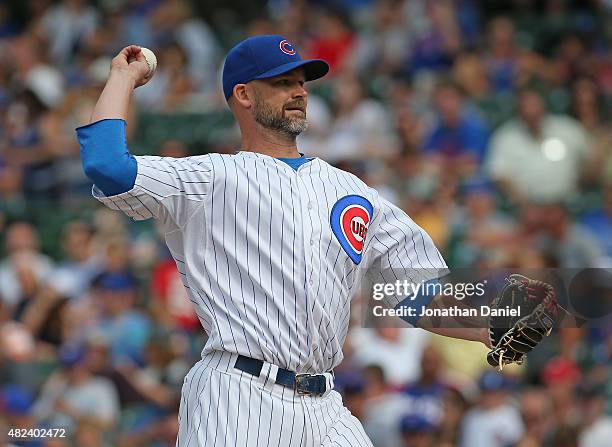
point(350, 217)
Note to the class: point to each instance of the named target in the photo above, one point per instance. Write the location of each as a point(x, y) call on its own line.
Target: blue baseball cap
point(494, 381)
point(15, 399)
point(266, 56)
point(71, 354)
point(415, 423)
point(116, 282)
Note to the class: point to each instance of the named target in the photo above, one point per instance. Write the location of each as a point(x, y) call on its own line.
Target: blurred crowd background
point(487, 122)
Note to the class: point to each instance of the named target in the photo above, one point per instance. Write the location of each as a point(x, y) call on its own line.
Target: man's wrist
point(123, 77)
point(485, 338)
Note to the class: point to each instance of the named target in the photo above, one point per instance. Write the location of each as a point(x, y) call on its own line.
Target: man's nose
point(300, 92)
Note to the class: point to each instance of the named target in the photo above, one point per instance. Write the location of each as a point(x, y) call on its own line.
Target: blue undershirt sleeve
point(105, 156)
point(420, 302)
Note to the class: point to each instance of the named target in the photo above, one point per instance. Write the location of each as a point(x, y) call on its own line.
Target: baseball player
point(271, 245)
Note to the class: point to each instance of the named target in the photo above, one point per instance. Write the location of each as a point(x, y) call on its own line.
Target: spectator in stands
point(64, 25)
point(590, 109)
point(596, 424)
point(599, 221)
point(24, 265)
point(479, 227)
point(382, 47)
point(361, 128)
point(417, 431)
point(175, 21)
point(425, 396)
point(459, 137)
point(73, 395)
point(502, 55)
point(537, 416)
point(170, 301)
point(494, 421)
point(437, 38)
point(560, 376)
point(538, 156)
point(82, 264)
point(455, 407)
point(33, 73)
point(8, 26)
point(385, 346)
point(44, 314)
point(126, 328)
point(15, 406)
point(470, 74)
point(333, 39)
point(568, 242)
point(383, 408)
point(171, 89)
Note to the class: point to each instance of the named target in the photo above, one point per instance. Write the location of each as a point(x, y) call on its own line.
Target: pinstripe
point(271, 417)
point(212, 218)
point(282, 418)
point(163, 183)
point(236, 261)
point(197, 395)
point(353, 432)
point(249, 415)
point(308, 414)
point(225, 252)
point(327, 206)
point(275, 352)
point(134, 211)
point(293, 281)
point(237, 429)
point(286, 352)
point(314, 412)
point(348, 443)
point(144, 206)
point(258, 264)
point(259, 416)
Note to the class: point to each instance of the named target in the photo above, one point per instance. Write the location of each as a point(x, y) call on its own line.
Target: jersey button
point(312, 242)
point(310, 205)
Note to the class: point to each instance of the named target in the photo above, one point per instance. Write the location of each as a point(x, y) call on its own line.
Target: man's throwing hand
point(132, 62)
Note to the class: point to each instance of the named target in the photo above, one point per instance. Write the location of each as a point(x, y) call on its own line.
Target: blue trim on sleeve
point(105, 156)
point(419, 303)
point(295, 163)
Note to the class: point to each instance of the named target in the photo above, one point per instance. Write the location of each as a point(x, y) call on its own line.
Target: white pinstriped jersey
point(271, 256)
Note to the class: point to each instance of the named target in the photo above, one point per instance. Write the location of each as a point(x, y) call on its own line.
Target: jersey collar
point(312, 166)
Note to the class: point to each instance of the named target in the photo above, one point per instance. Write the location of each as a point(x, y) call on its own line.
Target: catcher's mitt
point(513, 337)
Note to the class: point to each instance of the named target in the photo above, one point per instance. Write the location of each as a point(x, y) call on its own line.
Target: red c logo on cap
point(286, 47)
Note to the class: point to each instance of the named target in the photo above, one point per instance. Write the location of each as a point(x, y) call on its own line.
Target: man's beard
point(271, 119)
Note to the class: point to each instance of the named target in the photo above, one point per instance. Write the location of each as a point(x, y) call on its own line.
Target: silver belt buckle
point(298, 383)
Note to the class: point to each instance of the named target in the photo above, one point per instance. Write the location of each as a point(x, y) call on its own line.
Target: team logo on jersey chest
point(350, 218)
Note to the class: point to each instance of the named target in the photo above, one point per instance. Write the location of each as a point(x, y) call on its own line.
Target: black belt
point(309, 384)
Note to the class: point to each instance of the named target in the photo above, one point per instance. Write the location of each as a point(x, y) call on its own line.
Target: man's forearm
point(463, 333)
point(114, 101)
point(104, 153)
point(466, 327)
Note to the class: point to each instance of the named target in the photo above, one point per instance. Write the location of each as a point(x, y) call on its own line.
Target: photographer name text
point(453, 311)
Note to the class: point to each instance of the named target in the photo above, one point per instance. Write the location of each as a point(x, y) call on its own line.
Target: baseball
point(151, 60)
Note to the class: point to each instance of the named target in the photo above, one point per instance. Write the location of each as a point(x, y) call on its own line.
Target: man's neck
point(272, 143)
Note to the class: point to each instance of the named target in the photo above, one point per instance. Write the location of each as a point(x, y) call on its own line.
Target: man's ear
point(242, 95)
